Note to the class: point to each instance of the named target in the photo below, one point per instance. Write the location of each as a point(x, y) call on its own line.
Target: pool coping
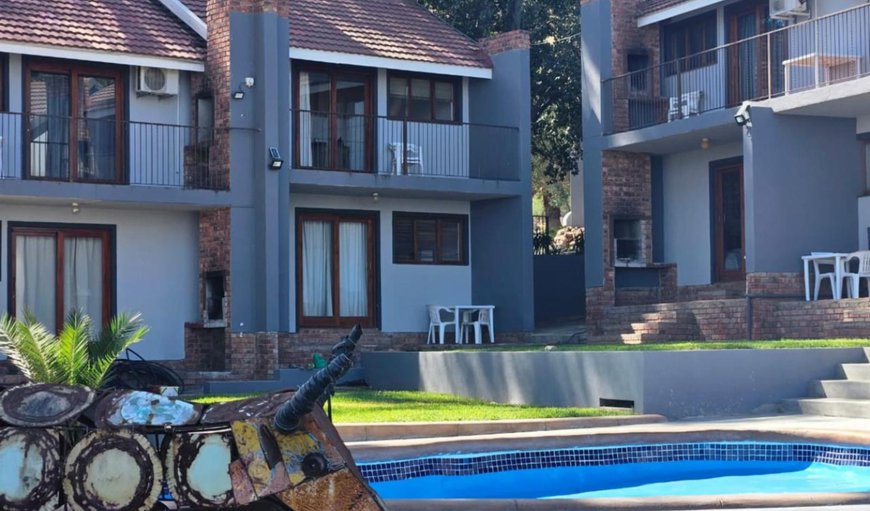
point(367, 432)
point(678, 433)
point(633, 504)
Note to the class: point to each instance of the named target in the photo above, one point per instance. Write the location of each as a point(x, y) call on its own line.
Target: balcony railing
point(94, 150)
point(385, 146)
point(808, 55)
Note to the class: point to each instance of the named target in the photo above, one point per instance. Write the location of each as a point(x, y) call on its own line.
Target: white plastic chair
point(414, 156)
point(440, 317)
point(484, 318)
point(853, 279)
point(829, 275)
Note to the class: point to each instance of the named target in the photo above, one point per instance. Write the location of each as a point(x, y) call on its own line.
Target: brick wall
point(778, 284)
point(500, 43)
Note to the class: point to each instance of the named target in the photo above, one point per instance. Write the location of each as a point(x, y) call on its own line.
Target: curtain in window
point(83, 277)
point(353, 275)
point(316, 268)
point(35, 273)
point(96, 128)
point(304, 120)
point(748, 51)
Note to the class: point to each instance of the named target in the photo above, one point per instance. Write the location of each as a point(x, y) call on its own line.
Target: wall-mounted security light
point(276, 162)
point(742, 117)
point(239, 94)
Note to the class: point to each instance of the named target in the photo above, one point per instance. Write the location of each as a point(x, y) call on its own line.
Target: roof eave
point(372, 61)
point(110, 57)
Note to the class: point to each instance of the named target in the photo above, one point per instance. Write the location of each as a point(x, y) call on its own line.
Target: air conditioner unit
point(154, 80)
point(788, 9)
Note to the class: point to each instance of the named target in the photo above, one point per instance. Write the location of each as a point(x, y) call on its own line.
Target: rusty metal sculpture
point(64, 449)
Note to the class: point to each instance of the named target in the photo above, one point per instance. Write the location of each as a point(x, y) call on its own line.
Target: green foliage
point(554, 27)
point(74, 356)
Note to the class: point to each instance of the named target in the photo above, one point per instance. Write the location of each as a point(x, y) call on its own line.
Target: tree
point(554, 27)
point(73, 357)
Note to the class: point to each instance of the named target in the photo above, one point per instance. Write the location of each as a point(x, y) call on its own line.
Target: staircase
point(675, 321)
point(848, 396)
point(653, 326)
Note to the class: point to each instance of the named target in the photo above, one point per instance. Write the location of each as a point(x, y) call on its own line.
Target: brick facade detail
point(500, 43)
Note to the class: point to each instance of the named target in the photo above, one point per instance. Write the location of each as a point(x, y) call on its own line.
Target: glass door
point(747, 60)
point(333, 121)
point(335, 270)
point(729, 255)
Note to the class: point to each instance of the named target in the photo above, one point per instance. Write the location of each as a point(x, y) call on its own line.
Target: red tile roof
point(648, 6)
point(142, 27)
point(396, 29)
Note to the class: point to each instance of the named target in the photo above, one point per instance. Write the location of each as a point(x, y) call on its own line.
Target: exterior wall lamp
point(276, 162)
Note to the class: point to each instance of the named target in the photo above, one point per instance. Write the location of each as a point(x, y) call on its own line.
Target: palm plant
point(74, 356)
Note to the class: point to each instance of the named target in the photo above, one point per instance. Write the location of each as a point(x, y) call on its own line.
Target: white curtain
point(316, 268)
point(83, 277)
point(35, 272)
point(304, 120)
point(353, 274)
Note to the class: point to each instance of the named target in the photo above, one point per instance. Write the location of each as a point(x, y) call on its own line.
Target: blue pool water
point(628, 471)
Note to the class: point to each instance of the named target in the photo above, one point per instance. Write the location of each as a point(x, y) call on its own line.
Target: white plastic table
point(460, 308)
point(834, 258)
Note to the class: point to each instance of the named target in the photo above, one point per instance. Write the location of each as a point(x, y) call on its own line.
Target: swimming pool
point(654, 470)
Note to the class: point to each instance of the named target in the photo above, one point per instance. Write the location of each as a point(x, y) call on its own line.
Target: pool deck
point(780, 428)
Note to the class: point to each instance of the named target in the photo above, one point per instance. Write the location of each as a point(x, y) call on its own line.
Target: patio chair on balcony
point(440, 317)
point(403, 159)
point(853, 279)
point(687, 104)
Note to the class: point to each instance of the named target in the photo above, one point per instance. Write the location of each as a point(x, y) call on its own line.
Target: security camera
point(742, 117)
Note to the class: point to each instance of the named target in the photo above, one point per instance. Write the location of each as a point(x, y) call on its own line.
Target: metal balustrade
point(387, 146)
point(108, 151)
point(785, 60)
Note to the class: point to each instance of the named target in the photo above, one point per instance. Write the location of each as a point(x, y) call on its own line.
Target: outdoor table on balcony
point(833, 258)
point(817, 61)
point(472, 308)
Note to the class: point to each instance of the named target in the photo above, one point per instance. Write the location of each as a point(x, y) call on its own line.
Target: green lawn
point(365, 405)
point(685, 345)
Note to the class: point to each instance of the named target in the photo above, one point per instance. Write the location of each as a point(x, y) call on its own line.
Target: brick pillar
point(500, 43)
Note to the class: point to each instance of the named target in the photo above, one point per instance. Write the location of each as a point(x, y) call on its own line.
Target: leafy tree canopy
point(554, 26)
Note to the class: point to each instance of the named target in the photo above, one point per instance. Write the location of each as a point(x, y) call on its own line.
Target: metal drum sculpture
point(65, 448)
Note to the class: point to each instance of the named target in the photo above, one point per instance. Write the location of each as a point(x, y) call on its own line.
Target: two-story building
point(252, 174)
point(686, 207)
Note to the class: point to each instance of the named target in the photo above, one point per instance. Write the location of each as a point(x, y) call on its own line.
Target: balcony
point(391, 147)
point(107, 151)
point(805, 56)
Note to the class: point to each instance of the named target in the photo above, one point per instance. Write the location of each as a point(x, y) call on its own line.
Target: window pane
point(49, 107)
point(35, 278)
point(451, 241)
point(427, 240)
point(96, 128)
point(444, 109)
point(421, 99)
point(317, 268)
point(83, 277)
point(398, 97)
point(353, 269)
point(403, 241)
point(315, 103)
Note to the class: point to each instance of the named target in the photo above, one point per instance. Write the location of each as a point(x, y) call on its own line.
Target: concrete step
point(843, 389)
point(854, 371)
point(831, 407)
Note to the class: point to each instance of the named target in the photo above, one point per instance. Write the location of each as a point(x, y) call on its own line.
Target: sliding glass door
point(333, 120)
point(335, 269)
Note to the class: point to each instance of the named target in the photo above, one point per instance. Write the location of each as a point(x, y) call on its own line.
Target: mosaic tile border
point(377, 472)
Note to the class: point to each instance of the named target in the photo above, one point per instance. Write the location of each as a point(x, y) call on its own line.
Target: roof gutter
point(187, 17)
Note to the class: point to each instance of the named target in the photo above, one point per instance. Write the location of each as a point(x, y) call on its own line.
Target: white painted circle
point(112, 477)
point(209, 472)
point(22, 467)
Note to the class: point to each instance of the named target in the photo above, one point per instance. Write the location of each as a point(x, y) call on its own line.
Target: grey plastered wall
point(801, 178)
point(501, 229)
point(260, 218)
point(596, 44)
point(676, 384)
